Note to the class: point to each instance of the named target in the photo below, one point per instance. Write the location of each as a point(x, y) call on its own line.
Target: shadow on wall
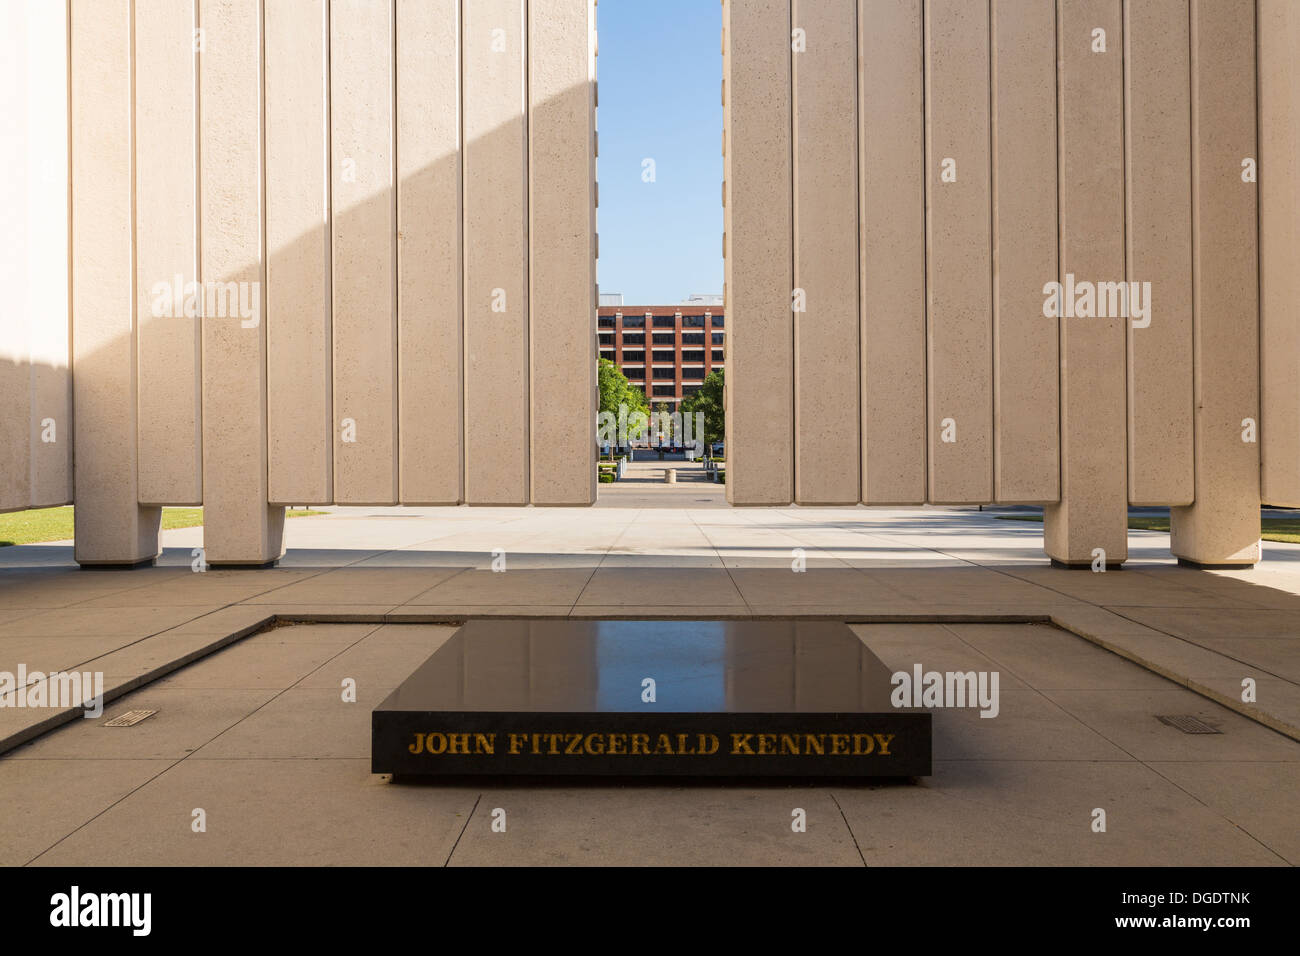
point(394, 361)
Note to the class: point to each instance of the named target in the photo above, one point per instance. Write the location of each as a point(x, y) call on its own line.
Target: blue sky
point(660, 75)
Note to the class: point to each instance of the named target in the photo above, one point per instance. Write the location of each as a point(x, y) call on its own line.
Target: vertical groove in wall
point(463, 357)
point(198, 242)
point(395, 350)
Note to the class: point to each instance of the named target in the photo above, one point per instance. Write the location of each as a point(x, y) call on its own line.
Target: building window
point(693, 355)
point(717, 357)
point(692, 321)
point(605, 321)
point(665, 355)
point(668, 373)
point(696, 373)
point(634, 321)
point(607, 340)
point(665, 391)
point(634, 338)
point(635, 356)
point(689, 390)
point(717, 321)
point(717, 338)
point(663, 338)
point(693, 338)
point(665, 322)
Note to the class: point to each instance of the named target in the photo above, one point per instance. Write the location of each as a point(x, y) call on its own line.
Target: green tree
point(708, 400)
point(616, 390)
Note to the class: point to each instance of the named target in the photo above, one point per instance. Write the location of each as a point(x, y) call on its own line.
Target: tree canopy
point(708, 400)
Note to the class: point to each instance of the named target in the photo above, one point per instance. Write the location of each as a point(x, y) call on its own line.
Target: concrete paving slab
point(1028, 726)
point(302, 723)
point(1040, 813)
point(1127, 718)
point(1278, 656)
point(135, 621)
point(559, 587)
point(253, 665)
point(666, 586)
point(293, 812)
point(1258, 796)
point(1050, 658)
point(187, 718)
point(656, 826)
point(358, 586)
point(45, 800)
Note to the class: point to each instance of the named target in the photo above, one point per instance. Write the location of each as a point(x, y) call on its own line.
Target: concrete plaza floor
point(254, 730)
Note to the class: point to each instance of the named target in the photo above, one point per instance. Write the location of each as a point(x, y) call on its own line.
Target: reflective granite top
point(564, 666)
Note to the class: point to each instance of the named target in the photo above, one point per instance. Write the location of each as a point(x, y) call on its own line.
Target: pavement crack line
point(447, 862)
point(852, 835)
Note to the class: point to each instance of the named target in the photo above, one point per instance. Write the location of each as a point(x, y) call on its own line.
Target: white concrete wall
point(1002, 145)
point(375, 173)
point(314, 153)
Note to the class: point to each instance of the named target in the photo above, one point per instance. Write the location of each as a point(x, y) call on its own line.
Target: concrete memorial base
point(650, 698)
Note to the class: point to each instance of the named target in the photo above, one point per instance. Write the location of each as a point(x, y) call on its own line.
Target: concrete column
point(35, 390)
point(1092, 516)
point(1279, 249)
point(496, 252)
point(825, 218)
point(239, 527)
point(299, 415)
point(561, 257)
point(166, 227)
point(959, 308)
point(891, 116)
point(1026, 360)
point(758, 250)
point(1222, 527)
point(364, 200)
point(1158, 191)
point(46, 269)
point(429, 262)
point(16, 74)
point(111, 527)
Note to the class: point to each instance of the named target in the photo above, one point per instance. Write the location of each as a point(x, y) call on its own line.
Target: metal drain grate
point(1187, 724)
point(129, 719)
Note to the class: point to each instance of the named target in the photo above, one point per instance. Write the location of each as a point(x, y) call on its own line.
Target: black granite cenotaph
point(649, 698)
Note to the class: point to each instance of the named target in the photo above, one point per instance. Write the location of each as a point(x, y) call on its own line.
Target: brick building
point(666, 350)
